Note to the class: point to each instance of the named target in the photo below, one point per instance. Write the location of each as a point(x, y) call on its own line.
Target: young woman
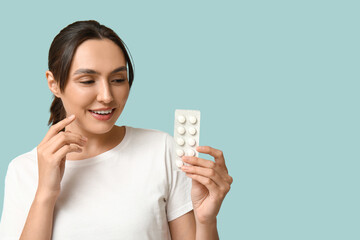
point(90, 179)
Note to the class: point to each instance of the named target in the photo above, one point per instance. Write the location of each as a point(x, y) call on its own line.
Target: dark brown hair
point(62, 50)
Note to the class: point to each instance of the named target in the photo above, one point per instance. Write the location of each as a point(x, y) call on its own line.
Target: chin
point(100, 129)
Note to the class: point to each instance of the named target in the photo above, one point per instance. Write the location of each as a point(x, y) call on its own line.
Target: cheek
point(76, 95)
point(122, 96)
point(77, 102)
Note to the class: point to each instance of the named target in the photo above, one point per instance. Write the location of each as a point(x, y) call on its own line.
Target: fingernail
point(84, 138)
point(71, 116)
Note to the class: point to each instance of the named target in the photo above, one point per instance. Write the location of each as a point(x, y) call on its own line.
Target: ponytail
point(57, 111)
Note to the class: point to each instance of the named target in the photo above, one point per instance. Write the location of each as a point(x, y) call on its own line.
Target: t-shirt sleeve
point(179, 199)
point(14, 212)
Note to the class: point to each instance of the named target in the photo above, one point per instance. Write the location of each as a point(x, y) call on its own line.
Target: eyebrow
point(91, 71)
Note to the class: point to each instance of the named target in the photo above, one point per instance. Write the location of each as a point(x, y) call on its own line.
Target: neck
point(96, 143)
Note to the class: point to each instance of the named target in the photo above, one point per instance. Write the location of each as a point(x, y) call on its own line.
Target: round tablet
point(192, 131)
point(180, 141)
point(180, 152)
point(192, 119)
point(181, 130)
point(190, 152)
point(181, 119)
point(179, 163)
point(191, 142)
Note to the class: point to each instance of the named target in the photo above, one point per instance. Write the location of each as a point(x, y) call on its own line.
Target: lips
point(102, 116)
point(101, 109)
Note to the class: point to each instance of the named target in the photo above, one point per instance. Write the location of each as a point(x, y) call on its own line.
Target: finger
point(206, 172)
point(56, 128)
point(207, 182)
point(65, 138)
point(61, 153)
point(220, 187)
point(216, 153)
point(196, 161)
point(199, 161)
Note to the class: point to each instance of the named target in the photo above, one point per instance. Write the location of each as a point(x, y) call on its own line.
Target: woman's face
point(97, 82)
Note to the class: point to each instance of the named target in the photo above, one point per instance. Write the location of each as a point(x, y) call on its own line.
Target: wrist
point(45, 197)
point(209, 222)
point(202, 221)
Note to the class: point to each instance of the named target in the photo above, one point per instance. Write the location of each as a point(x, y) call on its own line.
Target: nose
point(104, 93)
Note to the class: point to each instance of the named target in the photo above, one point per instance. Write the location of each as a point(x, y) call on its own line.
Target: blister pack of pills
point(186, 134)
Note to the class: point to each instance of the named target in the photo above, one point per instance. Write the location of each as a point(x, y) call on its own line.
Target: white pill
point(180, 152)
point(192, 119)
point(190, 152)
point(179, 163)
point(180, 141)
point(181, 119)
point(191, 142)
point(192, 131)
point(181, 130)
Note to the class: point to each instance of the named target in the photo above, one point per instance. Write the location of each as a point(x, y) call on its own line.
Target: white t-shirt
point(128, 192)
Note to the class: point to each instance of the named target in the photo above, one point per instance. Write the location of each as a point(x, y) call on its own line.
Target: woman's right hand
point(52, 152)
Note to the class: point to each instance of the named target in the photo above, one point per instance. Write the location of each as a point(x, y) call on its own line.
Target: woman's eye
point(92, 81)
point(118, 80)
point(87, 82)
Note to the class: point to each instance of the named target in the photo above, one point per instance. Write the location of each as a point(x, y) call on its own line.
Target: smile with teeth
point(103, 112)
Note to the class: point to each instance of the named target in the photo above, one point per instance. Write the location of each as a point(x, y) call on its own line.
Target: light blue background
point(277, 84)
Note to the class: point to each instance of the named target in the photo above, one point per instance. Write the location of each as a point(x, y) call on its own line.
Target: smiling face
point(97, 82)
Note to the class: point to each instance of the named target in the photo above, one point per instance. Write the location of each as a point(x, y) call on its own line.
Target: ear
point(53, 85)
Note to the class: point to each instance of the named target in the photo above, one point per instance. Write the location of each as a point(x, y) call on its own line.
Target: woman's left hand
point(210, 183)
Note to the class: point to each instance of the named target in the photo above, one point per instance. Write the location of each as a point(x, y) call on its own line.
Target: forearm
point(206, 231)
point(39, 222)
